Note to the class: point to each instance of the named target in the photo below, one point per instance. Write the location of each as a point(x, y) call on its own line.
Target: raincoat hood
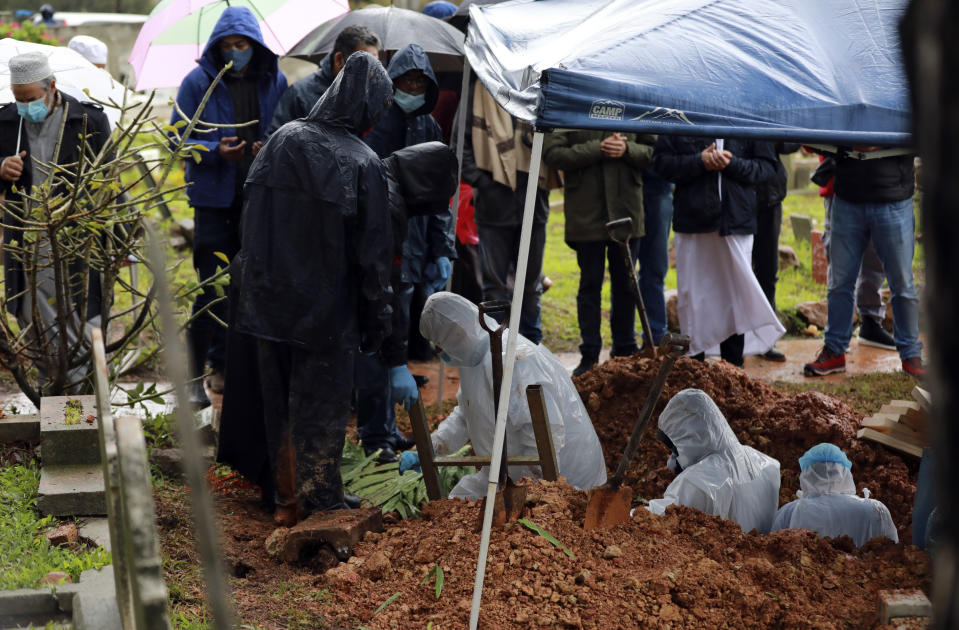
point(359, 95)
point(237, 21)
point(452, 322)
point(413, 57)
point(826, 478)
point(697, 428)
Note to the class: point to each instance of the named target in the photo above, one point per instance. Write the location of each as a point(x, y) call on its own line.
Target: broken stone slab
point(338, 529)
point(787, 257)
point(64, 534)
point(169, 461)
point(20, 428)
point(68, 431)
point(72, 490)
point(96, 530)
point(95, 602)
point(903, 603)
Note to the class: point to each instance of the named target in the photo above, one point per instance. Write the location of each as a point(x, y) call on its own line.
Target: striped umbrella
point(174, 37)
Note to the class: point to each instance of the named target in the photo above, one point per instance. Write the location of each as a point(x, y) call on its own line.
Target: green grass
point(25, 554)
point(865, 393)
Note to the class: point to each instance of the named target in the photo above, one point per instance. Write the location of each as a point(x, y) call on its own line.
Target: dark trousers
point(306, 398)
point(769, 221)
point(499, 248)
point(730, 350)
point(215, 230)
point(375, 414)
point(418, 348)
point(467, 274)
point(592, 258)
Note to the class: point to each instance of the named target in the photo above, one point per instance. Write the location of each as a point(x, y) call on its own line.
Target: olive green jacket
point(598, 189)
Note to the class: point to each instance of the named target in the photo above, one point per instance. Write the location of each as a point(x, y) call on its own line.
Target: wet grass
point(865, 393)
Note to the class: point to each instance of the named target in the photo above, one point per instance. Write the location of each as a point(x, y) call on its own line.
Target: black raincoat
point(311, 284)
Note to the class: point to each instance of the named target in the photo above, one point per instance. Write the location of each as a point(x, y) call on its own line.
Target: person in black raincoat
point(312, 280)
point(300, 97)
point(381, 381)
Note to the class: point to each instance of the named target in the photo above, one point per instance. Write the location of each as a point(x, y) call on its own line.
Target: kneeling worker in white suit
point(828, 504)
point(717, 474)
point(452, 323)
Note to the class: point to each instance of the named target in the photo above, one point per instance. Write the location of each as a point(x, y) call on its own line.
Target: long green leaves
point(437, 572)
point(389, 601)
point(528, 524)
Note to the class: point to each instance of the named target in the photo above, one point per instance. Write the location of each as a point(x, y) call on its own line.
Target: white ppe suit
point(719, 475)
point(452, 323)
point(828, 505)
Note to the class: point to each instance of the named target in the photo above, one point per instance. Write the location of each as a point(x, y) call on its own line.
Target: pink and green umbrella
point(173, 38)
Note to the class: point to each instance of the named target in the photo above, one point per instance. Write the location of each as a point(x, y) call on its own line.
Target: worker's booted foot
point(828, 362)
point(286, 515)
point(914, 367)
point(585, 365)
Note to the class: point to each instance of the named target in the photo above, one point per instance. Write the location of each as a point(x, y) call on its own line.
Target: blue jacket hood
point(237, 21)
point(413, 57)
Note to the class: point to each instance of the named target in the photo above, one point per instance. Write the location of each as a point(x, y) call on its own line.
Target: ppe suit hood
point(452, 322)
point(237, 21)
point(413, 57)
point(358, 97)
point(697, 428)
point(826, 478)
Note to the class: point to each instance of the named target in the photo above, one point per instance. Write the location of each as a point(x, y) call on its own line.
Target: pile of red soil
point(683, 570)
point(782, 426)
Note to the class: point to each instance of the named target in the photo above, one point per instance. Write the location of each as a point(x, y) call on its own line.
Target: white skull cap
point(29, 68)
point(92, 49)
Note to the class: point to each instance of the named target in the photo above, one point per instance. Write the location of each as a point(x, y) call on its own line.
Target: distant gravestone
point(820, 264)
point(802, 226)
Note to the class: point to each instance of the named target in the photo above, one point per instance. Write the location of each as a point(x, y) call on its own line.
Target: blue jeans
point(891, 226)
point(654, 257)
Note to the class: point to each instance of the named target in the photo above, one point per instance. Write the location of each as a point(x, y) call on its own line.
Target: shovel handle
point(673, 347)
point(493, 307)
point(625, 224)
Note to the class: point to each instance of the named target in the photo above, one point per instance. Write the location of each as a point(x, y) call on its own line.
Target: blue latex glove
point(443, 268)
point(402, 386)
point(410, 460)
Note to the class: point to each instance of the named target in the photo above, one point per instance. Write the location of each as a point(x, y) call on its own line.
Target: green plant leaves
point(437, 572)
point(389, 601)
point(528, 524)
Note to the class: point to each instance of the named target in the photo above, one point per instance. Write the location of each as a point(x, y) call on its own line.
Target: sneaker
point(828, 362)
point(871, 333)
point(585, 365)
point(774, 354)
point(913, 367)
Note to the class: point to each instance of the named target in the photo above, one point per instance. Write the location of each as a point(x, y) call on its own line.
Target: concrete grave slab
point(802, 226)
point(903, 603)
point(340, 529)
point(20, 428)
point(97, 530)
point(72, 490)
point(68, 431)
point(95, 603)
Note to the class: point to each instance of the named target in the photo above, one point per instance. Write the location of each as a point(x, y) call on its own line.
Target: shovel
point(619, 231)
point(510, 498)
point(610, 503)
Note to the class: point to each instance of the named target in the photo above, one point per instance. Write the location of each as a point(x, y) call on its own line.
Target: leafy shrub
point(28, 32)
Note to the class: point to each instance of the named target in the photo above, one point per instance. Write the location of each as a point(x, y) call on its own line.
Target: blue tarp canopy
point(816, 71)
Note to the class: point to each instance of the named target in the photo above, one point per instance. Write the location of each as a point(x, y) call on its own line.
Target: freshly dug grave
point(683, 570)
point(782, 426)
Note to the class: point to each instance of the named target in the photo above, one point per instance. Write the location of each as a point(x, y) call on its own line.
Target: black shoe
point(196, 395)
point(871, 333)
point(352, 501)
point(403, 443)
point(774, 354)
point(624, 352)
point(387, 454)
point(421, 380)
point(585, 365)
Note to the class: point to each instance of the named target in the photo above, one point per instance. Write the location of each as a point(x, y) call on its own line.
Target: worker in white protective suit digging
point(828, 504)
point(452, 323)
point(717, 474)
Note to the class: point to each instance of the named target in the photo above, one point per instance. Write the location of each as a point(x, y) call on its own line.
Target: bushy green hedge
point(28, 32)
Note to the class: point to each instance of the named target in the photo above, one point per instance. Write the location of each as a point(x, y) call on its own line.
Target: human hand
point(402, 387)
point(231, 153)
point(12, 167)
point(443, 270)
point(715, 160)
point(613, 147)
point(256, 147)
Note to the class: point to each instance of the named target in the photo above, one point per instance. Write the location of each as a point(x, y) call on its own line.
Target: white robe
point(718, 295)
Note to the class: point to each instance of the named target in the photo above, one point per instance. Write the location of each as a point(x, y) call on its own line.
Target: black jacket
point(875, 181)
point(299, 98)
point(773, 190)
point(697, 207)
point(98, 130)
point(314, 264)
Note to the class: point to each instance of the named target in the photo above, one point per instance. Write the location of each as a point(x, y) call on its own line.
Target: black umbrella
point(461, 18)
point(396, 28)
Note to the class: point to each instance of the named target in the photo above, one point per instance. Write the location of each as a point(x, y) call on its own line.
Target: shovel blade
point(508, 505)
point(608, 507)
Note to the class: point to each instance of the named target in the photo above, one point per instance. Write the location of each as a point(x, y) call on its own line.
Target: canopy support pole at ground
point(461, 115)
point(519, 287)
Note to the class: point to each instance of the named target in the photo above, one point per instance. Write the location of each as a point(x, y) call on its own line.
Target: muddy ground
point(684, 570)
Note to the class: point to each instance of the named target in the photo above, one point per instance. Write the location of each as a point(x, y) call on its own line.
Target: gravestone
point(71, 479)
point(802, 226)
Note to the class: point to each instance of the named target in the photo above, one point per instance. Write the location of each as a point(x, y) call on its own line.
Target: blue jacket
point(300, 98)
point(428, 237)
point(213, 178)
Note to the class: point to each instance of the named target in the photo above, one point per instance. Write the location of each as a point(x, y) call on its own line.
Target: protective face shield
point(409, 103)
point(673, 462)
point(34, 111)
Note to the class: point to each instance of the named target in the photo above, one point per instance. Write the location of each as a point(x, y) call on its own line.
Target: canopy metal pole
point(519, 287)
point(460, 139)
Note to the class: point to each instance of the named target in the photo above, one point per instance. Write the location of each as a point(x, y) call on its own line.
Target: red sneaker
point(828, 362)
point(913, 367)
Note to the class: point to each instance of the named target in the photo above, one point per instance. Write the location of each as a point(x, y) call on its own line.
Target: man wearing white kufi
point(92, 49)
point(29, 130)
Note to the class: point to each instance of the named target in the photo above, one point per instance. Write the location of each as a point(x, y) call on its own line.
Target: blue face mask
point(408, 102)
point(240, 58)
point(34, 111)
